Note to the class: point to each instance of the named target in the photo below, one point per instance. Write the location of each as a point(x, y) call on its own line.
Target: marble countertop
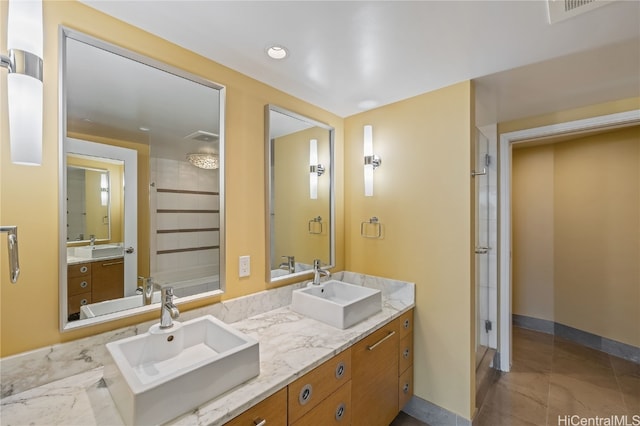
point(290, 346)
point(75, 260)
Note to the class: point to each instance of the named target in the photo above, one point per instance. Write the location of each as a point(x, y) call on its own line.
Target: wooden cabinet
point(374, 385)
point(314, 387)
point(78, 286)
point(270, 412)
point(93, 282)
point(405, 359)
point(367, 384)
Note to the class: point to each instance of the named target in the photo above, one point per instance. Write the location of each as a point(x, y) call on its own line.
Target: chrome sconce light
point(371, 161)
point(315, 169)
point(24, 81)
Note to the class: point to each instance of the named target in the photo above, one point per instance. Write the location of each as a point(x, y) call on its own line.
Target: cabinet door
point(270, 412)
point(78, 300)
point(374, 388)
point(334, 410)
point(107, 280)
point(312, 388)
point(78, 285)
point(406, 387)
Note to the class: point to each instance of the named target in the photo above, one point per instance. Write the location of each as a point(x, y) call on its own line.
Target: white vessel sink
point(337, 303)
point(102, 250)
point(162, 374)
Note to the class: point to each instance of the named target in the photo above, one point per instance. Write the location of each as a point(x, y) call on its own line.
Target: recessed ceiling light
point(367, 104)
point(144, 129)
point(277, 52)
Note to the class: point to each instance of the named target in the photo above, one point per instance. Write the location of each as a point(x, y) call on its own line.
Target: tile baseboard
point(590, 340)
point(433, 414)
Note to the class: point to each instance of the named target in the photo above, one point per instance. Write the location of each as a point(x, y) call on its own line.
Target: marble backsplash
point(27, 370)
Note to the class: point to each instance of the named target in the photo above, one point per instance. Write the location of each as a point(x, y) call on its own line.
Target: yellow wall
point(422, 196)
point(586, 233)
point(29, 195)
point(532, 232)
point(293, 206)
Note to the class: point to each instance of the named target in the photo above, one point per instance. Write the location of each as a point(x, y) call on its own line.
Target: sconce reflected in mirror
point(104, 189)
point(315, 169)
point(24, 82)
point(371, 161)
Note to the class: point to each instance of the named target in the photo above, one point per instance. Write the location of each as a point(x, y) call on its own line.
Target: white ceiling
point(347, 57)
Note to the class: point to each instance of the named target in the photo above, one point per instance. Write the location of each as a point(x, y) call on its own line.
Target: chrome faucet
point(146, 290)
point(92, 240)
point(318, 272)
point(289, 265)
point(168, 311)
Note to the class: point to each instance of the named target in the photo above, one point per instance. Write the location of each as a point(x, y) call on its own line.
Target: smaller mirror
point(300, 194)
point(88, 215)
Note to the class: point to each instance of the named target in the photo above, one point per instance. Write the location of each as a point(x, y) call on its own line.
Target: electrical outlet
point(245, 266)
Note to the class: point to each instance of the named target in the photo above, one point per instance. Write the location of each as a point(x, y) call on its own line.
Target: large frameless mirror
point(300, 194)
point(141, 182)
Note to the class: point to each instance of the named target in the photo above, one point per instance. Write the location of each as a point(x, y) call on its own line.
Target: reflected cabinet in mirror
point(141, 182)
point(300, 194)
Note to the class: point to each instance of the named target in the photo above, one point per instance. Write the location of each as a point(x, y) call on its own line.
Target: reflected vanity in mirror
point(300, 194)
point(141, 182)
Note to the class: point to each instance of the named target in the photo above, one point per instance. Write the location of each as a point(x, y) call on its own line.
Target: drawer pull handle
point(407, 323)
point(305, 394)
point(405, 353)
point(340, 412)
point(84, 302)
point(113, 263)
point(340, 370)
point(375, 345)
point(83, 269)
point(260, 422)
point(405, 388)
point(84, 284)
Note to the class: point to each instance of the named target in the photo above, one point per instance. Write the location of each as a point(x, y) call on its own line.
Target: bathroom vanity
point(91, 282)
point(361, 371)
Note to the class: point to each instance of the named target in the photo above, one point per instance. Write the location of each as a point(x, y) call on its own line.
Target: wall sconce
point(203, 160)
point(104, 189)
point(315, 169)
point(371, 161)
point(24, 81)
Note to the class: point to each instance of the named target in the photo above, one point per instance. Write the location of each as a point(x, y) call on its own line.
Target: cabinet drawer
point(272, 411)
point(309, 390)
point(405, 355)
point(406, 324)
point(406, 387)
point(79, 270)
point(334, 410)
point(78, 300)
point(78, 285)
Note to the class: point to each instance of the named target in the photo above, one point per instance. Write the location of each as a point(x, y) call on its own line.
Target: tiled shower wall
point(487, 269)
point(185, 219)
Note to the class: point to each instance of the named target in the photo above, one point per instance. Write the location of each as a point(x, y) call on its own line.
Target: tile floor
point(552, 377)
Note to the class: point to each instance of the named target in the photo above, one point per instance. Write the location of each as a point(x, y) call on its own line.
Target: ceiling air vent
point(202, 136)
point(559, 10)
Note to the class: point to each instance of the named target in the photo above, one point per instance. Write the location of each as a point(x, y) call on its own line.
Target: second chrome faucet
point(318, 272)
point(168, 311)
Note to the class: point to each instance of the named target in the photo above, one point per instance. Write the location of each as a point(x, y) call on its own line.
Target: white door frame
point(505, 149)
